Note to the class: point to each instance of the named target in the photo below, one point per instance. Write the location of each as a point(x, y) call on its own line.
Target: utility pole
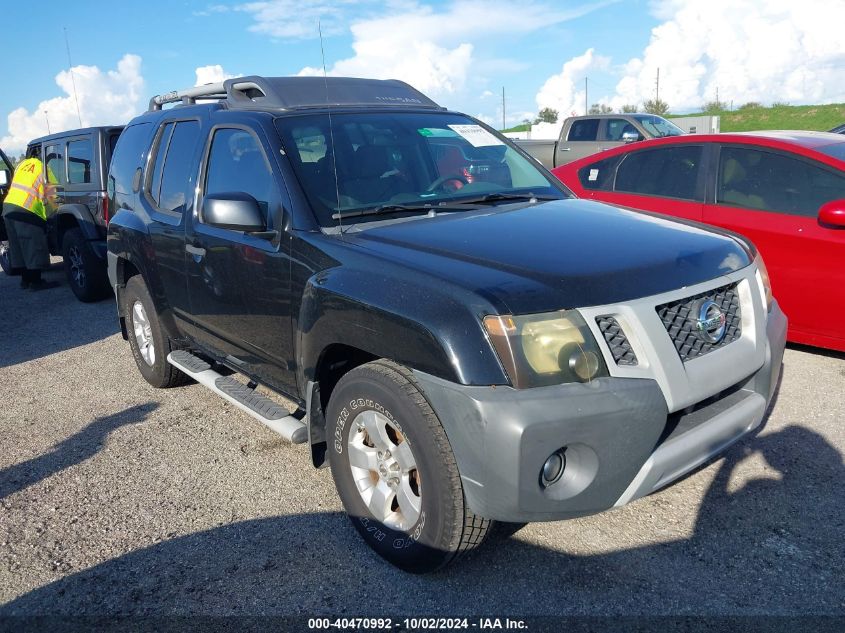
point(657, 86)
point(717, 97)
point(504, 127)
point(48, 122)
point(586, 100)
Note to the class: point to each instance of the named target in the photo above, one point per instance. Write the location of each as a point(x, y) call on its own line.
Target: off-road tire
point(160, 373)
point(446, 528)
point(86, 273)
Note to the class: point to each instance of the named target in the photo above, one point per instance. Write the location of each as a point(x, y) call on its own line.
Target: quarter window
point(671, 172)
point(767, 181)
point(236, 163)
point(583, 130)
point(599, 175)
point(169, 184)
point(80, 158)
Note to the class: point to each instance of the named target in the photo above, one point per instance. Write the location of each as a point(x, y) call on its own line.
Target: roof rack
point(293, 93)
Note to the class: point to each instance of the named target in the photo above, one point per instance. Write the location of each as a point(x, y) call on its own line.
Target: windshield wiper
point(500, 197)
point(427, 207)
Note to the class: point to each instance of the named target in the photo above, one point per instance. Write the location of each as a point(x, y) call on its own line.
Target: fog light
point(552, 469)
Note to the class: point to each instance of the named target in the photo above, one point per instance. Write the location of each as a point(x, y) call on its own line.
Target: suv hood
point(555, 255)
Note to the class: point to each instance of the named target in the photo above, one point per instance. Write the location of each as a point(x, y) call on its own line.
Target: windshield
point(403, 161)
point(658, 126)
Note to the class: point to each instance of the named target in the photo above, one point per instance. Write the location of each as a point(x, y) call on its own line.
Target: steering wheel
point(439, 182)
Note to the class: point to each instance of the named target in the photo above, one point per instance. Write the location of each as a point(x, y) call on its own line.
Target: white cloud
point(779, 50)
point(211, 75)
point(564, 91)
point(298, 19)
point(111, 97)
point(433, 49)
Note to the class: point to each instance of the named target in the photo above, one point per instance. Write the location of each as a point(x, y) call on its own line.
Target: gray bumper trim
point(688, 451)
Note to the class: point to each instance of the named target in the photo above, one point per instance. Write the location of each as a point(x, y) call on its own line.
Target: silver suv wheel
point(384, 470)
point(143, 333)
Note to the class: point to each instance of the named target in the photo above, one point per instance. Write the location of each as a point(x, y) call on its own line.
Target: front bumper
point(620, 440)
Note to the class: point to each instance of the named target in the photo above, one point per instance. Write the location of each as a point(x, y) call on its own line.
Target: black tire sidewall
point(158, 375)
point(426, 546)
point(95, 283)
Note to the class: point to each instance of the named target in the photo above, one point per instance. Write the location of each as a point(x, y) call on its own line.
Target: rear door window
point(769, 181)
point(584, 130)
point(80, 161)
point(671, 172)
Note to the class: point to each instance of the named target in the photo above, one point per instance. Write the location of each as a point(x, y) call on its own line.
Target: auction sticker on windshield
point(476, 135)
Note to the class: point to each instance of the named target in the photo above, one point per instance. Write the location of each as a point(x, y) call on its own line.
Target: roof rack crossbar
point(189, 95)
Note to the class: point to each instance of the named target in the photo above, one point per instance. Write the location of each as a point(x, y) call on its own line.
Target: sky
point(462, 53)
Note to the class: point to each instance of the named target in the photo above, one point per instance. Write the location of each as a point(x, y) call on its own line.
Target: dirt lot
point(116, 498)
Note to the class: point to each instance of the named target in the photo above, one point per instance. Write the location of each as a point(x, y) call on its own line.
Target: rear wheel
point(395, 471)
point(148, 339)
point(5, 263)
point(86, 273)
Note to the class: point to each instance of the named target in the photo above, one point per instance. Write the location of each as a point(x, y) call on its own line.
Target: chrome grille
point(680, 319)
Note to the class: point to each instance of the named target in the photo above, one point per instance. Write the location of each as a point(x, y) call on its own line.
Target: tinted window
point(617, 127)
point(80, 160)
point(178, 166)
point(154, 180)
point(670, 171)
point(54, 156)
point(599, 175)
point(584, 130)
point(236, 163)
point(127, 157)
point(768, 181)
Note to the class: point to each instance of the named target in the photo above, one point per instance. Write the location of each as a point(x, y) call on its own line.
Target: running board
point(272, 415)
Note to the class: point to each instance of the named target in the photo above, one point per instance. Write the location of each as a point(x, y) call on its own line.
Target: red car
point(783, 190)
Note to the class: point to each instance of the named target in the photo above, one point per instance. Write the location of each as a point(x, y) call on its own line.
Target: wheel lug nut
point(394, 466)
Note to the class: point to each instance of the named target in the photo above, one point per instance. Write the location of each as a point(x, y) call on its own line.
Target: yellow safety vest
point(27, 188)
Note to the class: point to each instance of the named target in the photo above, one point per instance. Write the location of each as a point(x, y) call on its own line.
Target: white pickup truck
point(585, 135)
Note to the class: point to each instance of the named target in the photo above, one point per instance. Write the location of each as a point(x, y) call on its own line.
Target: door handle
point(196, 251)
point(564, 149)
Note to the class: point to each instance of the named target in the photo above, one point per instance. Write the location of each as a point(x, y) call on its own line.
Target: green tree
point(751, 105)
point(600, 108)
point(712, 107)
point(630, 108)
point(656, 106)
point(547, 115)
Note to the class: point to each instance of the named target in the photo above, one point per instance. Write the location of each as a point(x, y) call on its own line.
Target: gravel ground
point(117, 498)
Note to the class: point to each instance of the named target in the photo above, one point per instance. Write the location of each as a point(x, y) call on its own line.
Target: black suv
point(6, 173)
point(464, 344)
point(77, 163)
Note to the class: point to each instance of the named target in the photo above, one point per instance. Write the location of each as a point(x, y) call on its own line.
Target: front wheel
point(395, 471)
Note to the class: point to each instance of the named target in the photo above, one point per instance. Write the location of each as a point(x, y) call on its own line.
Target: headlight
point(545, 349)
point(763, 281)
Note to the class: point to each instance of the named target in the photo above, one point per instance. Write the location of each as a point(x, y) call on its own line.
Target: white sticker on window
point(594, 175)
point(476, 135)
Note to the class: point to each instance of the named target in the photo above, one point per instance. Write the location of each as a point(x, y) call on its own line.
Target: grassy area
point(780, 117)
point(776, 117)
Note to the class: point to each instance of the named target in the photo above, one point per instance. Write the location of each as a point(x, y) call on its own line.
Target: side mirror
point(235, 211)
point(5, 177)
point(630, 137)
point(832, 213)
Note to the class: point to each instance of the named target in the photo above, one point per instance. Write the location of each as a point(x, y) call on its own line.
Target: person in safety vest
point(25, 212)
